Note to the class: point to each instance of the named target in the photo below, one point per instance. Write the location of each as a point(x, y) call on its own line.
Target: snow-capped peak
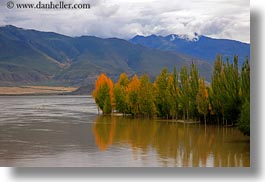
point(173, 37)
point(195, 37)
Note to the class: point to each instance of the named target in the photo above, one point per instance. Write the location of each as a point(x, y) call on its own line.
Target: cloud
point(127, 18)
point(107, 11)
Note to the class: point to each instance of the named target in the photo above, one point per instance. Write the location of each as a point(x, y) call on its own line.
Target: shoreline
point(36, 90)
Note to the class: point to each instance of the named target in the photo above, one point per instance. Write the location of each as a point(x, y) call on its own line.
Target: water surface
point(66, 131)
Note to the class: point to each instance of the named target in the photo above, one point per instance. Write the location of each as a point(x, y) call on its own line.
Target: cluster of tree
point(182, 95)
point(230, 93)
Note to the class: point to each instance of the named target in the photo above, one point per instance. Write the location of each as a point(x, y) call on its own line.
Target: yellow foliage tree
point(202, 100)
point(132, 95)
point(120, 93)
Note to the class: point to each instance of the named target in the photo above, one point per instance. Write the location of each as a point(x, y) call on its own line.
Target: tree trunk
point(204, 119)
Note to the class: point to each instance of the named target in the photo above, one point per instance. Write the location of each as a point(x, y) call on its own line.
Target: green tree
point(230, 94)
point(184, 91)
point(173, 96)
point(194, 88)
point(175, 91)
point(132, 95)
point(225, 88)
point(107, 108)
point(119, 98)
point(244, 121)
point(146, 98)
point(245, 81)
point(217, 88)
point(119, 93)
point(162, 94)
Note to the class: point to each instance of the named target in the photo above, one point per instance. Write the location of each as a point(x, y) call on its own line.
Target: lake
point(67, 131)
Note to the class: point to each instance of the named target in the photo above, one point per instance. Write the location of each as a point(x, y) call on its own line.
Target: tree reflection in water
point(175, 144)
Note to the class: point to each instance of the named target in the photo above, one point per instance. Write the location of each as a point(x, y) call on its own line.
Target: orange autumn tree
point(103, 93)
point(104, 130)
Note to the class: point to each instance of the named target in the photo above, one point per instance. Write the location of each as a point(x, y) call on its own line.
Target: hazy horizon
point(123, 38)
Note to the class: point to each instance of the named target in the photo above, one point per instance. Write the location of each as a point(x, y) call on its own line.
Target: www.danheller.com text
point(50, 5)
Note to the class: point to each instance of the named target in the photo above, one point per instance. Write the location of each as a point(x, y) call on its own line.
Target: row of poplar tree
point(183, 95)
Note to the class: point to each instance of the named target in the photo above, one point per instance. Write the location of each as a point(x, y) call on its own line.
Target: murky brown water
point(66, 131)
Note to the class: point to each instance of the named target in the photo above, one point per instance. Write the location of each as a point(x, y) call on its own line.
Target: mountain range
point(198, 46)
point(30, 57)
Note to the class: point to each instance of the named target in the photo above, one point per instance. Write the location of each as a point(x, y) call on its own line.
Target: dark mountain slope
point(202, 47)
point(34, 57)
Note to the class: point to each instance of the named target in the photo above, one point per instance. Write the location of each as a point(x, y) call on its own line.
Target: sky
point(228, 19)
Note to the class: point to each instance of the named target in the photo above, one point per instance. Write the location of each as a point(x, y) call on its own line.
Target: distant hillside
point(45, 58)
point(200, 46)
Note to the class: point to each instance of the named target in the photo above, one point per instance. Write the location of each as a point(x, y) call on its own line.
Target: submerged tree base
point(167, 121)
